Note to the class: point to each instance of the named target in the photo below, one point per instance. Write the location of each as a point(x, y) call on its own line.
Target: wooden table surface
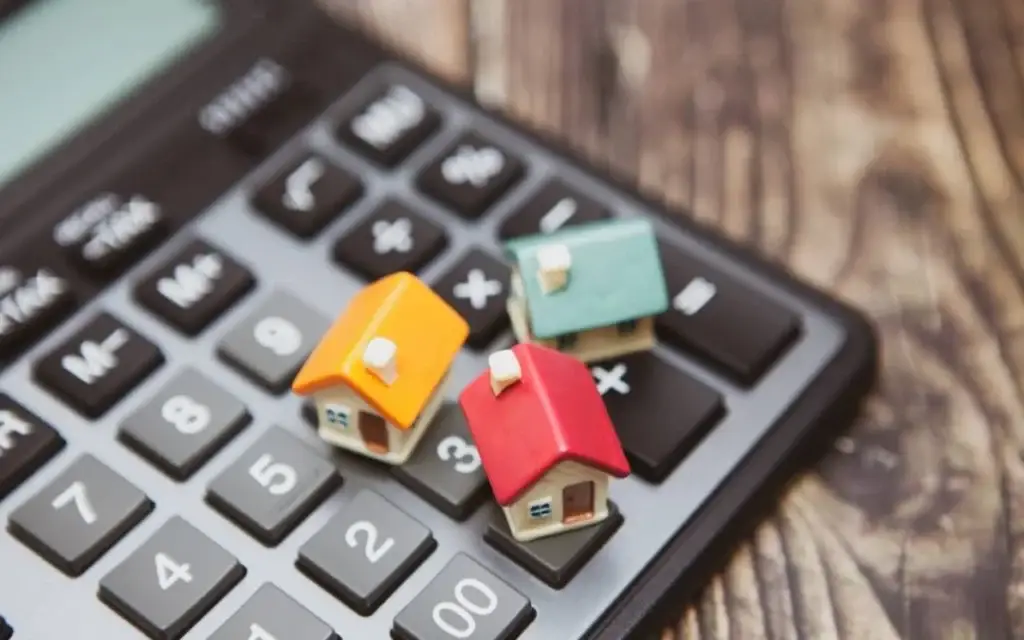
point(877, 148)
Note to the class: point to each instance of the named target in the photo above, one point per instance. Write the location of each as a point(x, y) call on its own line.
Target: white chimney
point(505, 370)
point(379, 357)
point(554, 261)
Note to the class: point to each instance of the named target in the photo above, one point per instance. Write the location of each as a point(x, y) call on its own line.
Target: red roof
point(553, 413)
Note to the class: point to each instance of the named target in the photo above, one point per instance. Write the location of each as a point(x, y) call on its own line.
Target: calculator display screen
point(62, 62)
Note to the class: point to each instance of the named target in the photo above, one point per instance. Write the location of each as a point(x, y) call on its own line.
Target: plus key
point(477, 287)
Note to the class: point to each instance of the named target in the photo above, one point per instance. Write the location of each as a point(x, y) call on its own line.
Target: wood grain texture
point(877, 149)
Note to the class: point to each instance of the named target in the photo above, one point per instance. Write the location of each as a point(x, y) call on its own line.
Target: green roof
point(615, 276)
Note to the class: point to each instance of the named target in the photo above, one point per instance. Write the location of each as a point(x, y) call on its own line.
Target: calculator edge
point(796, 441)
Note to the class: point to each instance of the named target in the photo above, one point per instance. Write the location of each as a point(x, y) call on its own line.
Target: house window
point(337, 415)
point(565, 341)
point(626, 328)
point(540, 509)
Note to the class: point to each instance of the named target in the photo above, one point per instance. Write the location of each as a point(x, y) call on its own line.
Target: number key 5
point(272, 486)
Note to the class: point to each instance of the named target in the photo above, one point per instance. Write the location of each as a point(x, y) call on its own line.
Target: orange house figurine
point(378, 376)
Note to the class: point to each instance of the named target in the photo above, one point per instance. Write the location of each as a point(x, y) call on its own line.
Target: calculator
point(190, 192)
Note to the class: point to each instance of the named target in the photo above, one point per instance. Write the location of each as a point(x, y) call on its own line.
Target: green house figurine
point(590, 291)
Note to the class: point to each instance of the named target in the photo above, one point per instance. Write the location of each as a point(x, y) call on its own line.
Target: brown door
point(578, 502)
point(374, 431)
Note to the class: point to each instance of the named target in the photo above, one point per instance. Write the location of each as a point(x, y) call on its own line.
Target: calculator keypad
point(99, 365)
point(195, 287)
point(26, 444)
point(164, 586)
point(365, 551)
point(440, 192)
point(271, 487)
point(184, 424)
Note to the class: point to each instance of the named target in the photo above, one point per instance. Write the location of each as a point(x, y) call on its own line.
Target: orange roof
point(427, 332)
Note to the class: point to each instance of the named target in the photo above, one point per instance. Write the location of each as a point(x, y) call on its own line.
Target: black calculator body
point(189, 193)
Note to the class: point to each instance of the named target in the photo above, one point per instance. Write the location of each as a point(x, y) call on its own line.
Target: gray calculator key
point(165, 586)
point(364, 552)
point(271, 344)
point(464, 601)
point(273, 486)
point(270, 614)
point(445, 468)
point(79, 515)
point(187, 422)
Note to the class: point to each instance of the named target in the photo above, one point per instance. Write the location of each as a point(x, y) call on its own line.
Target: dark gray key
point(270, 614)
point(364, 552)
point(445, 468)
point(27, 442)
point(554, 559)
point(165, 586)
point(464, 601)
point(79, 515)
point(273, 486)
point(187, 422)
point(271, 344)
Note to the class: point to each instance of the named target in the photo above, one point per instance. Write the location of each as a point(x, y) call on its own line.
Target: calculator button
point(79, 515)
point(26, 444)
point(364, 552)
point(716, 317)
point(165, 586)
point(272, 343)
point(477, 287)
point(391, 239)
point(33, 298)
point(273, 486)
point(554, 559)
point(390, 126)
point(270, 614)
point(464, 601)
point(6, 632)
point(111, 232)
point(307, 196)
point(556, 205)
point(185, 424)
point(445, 468)
point(471, 175)
point(98, 365)
point(194, 287)
point(659, 412)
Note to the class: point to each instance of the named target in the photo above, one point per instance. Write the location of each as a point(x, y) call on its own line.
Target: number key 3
point(272, 486)
point(79, 515)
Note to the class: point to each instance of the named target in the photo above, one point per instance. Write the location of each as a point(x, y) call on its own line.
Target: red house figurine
point(546, 442)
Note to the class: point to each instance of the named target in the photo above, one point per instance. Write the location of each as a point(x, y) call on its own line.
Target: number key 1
point(464, 602)
point(79, 515)
point(165, 586)
point(272, 486)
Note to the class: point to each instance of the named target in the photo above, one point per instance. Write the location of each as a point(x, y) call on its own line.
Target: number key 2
point(445, 467)
point(364, 552)
point(165, 586)
point(467, 602)
point(273, 486)
point(79, 515)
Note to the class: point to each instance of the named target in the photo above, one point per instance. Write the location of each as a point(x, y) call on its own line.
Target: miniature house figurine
point(590, 291)
point(545, 440)
point(378, 375)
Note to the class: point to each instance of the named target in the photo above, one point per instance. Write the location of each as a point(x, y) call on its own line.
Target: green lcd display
point(63, 62)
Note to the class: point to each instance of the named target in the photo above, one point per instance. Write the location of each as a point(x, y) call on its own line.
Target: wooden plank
point(877, 149)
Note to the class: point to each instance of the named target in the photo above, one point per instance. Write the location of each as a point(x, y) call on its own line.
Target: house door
point(578, 502)
point(374, 432)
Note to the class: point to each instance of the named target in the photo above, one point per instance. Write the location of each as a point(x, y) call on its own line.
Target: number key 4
point(165, 586)
point(79, 515)
point(273, 486)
